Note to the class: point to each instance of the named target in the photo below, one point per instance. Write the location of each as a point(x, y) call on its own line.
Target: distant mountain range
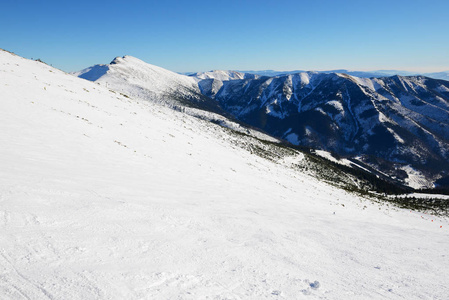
point(397, 125)
point(365, 74)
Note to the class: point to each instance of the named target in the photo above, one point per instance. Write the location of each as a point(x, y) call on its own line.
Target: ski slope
point(106, 197)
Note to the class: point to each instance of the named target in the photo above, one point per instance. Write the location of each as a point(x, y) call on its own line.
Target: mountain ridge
point(443, 75)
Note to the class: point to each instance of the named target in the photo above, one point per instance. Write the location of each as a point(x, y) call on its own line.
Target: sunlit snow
point(108, 197)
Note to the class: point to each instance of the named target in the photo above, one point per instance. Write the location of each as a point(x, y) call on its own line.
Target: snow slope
point(106, 197)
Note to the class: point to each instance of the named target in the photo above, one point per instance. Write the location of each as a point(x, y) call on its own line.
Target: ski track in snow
point(105, 197)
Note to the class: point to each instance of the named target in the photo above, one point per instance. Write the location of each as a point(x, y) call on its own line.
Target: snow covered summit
point(135, 78)
point(130, 71)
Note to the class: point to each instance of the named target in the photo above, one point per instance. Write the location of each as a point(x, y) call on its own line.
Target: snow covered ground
point(105, 197)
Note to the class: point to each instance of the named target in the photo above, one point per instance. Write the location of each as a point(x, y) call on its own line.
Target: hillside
point(106, 196)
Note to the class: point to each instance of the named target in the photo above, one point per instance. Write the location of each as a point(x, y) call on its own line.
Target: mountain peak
point(126, 59)
point(138, 79)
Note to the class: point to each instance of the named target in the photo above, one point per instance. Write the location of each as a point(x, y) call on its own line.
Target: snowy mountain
point(398, 125)
point(104, 196)
point(135, 78)
point(368, 74)
point(365, 74)
point(223, 75)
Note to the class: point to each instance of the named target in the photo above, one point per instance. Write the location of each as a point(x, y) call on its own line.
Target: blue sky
point(244, 35)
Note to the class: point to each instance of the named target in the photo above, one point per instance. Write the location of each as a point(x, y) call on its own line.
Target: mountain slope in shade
point(108, 197)
point(92, 73)
point(397, 124)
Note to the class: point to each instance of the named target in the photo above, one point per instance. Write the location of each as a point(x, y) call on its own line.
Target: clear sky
point(197, 35)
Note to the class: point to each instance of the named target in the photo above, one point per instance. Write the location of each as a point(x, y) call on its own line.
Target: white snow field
point(105, 197)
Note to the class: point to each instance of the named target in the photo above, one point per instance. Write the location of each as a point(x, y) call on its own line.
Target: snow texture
point(108, 197)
